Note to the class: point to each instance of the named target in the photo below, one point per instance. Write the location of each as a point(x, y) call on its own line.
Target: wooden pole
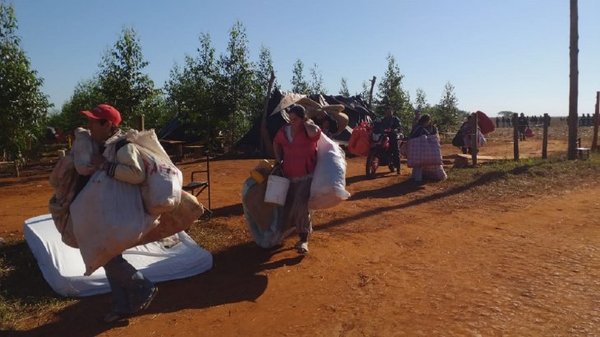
point(545, 137)
point(515, 136)
point(141, 123)
point(266, 145)
point(573, 80)
point(371, 91)
point(596, 123)
point(475, 139)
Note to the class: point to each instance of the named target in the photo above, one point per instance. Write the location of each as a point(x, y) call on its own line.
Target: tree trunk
point(371, 92)
point(573, 83)
point(266, 145)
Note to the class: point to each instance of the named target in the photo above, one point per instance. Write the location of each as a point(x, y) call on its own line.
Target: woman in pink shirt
point(295, 147)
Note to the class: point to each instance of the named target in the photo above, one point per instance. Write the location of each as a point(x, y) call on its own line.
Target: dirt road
point(397, 259)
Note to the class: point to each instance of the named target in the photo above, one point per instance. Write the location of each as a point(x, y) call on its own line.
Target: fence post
point(515, 136)
point(596, 122)
point(475, 139)
point(545, 137)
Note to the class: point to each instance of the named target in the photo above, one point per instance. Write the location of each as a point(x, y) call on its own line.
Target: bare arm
point(312, 130)
point(277, 151)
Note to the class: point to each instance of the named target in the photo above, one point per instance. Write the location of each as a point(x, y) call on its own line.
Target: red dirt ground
point(390, 261)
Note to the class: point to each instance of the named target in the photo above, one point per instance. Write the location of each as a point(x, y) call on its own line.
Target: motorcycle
point(381, 152)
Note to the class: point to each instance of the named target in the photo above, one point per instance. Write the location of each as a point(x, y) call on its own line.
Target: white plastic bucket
point(277, 188)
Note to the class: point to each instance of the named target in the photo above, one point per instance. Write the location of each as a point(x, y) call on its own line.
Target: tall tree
point(421, 100)
point(299, 84)
point(391, 94)
point(23, 106)
point(573, 81)
point(236, 83)
point(87, 94)
point(316, 86)
point(447, 113)
point(264, 69)
point(190, 90)
point(344, 88)
point(122, 80)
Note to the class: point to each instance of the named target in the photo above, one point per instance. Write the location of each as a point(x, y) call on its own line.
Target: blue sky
point(498, 54)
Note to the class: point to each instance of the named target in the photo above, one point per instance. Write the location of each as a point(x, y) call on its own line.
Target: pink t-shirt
point(300, 155)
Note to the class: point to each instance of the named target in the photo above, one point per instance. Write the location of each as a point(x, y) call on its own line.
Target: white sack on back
point(108, 217)
point(83, 149)
point(161, 191)
point(328, 187)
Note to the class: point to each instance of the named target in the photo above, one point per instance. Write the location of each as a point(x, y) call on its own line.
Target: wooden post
point(545, 137)
point(515, 136)
point(141, 125)
point(371, 91)
point(596, 123)
point(266, 145)
point(475, 139)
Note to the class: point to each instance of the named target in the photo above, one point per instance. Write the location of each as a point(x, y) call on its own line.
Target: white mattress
point(63, 267)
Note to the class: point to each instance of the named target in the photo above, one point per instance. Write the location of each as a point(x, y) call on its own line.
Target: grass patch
point(23, 291)
point(531, 176)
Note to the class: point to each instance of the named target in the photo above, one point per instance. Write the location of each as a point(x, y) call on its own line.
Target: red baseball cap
point(104, 111)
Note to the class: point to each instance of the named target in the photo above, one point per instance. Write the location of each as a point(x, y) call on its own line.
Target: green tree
point(299, 84)
point(391, 94)
point(122, 81)
point(447, 114)
point(263, 71)
point(23, 106)
point(421, 101)
point(190, 90)
point(316, 86)
point(86, 95)
point(236, 86)
point(344, 88)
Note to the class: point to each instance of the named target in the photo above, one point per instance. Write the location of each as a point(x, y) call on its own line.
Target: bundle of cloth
point(106, 216)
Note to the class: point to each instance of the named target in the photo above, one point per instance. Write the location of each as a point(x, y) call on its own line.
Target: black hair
point(424, 118)
point(297, 110)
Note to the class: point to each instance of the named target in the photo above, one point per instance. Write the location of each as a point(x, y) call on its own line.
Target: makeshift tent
point(353, 107)
point(62, 266)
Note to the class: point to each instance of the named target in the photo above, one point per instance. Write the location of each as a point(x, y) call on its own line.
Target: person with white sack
point(131, 290)
point(424, 128)
point(295, 148)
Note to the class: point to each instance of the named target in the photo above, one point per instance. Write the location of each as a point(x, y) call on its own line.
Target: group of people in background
point(506, 122)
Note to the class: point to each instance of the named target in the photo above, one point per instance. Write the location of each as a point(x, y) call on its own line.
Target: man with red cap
point(131, 291)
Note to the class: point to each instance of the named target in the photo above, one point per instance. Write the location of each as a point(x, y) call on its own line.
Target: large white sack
point(161, 191)
point(82, 151)
point(108, 217)
point(328, 187)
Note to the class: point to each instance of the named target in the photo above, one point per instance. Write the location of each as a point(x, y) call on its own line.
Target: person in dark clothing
point(392, 123)
point(522, 123)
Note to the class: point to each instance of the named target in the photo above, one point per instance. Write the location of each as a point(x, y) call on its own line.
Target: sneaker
point(302, 247)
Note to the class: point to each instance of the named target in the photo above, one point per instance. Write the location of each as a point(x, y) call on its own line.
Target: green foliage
point(236, 86)
point(23, 106)
point(190, 91)
point(122, 82)
point(316, 86)
point(391, 94)
point(299, 84)
point(263, 70)
point(446, 113)
point(87, 94)
point(344, 88)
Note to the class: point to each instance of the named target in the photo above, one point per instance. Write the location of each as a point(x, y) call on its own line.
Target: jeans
point(129, 286)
